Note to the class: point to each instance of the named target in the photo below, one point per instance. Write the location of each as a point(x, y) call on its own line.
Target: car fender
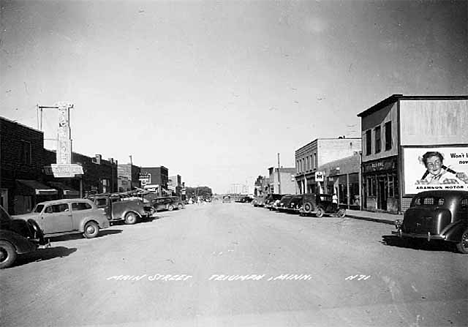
point(454, 231)
point(20, 243)
point(101, 224)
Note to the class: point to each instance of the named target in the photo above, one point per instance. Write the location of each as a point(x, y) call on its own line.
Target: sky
point(215, 90)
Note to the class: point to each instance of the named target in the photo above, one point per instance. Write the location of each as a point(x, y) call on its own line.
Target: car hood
point(26, 216)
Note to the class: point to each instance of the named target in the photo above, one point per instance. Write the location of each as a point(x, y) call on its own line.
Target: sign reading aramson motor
point(380, 165)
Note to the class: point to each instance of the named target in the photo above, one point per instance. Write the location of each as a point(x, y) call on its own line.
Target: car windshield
point(4, 216)
point(38, 208)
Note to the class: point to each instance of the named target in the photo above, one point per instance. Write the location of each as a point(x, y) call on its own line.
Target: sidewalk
point(380, 217)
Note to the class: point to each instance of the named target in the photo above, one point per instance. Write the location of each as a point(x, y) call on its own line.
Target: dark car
point(437, 215)
point(283, 204)
point(319, 205)
point(245, 199)
point(122, 208)
point(271, 199)
point(17, 236)
point(167, 203)
point(295, 204)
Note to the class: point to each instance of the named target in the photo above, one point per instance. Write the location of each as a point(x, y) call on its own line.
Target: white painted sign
point(319, 176)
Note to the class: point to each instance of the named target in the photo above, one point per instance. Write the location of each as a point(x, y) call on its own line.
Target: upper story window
point(388, 136)
point(378, 139)
point(26, 152)
point(368, 142)
point(315, 161)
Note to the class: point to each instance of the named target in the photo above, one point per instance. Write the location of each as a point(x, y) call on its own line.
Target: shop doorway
point(382, 193)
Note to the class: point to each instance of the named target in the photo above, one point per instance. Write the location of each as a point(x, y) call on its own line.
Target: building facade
point(128, 177)
point(21, 167)
point(399, 134)
point(312, 156)
point(155, 178)
point(99, 175)
point(281, 180)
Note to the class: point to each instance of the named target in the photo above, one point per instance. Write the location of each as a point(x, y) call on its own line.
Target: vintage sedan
point(437, 215)
point(320, 204)
point(67, 216)
point(17, 236)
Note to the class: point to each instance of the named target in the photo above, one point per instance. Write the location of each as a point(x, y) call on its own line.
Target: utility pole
point(279, 175)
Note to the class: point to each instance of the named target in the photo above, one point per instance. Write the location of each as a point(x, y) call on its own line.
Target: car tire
point(131, 218)
point(320, 212)
point(91, 230)
point(7, 254)
point(308, 207)
point(180, 206)
point(36, 231)
point(462, 246)
point(170, 207)
point(341, 213)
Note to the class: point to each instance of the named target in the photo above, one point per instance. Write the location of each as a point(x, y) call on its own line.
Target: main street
point(231, 264)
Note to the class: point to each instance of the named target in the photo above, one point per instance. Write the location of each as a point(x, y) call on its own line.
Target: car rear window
point(430, 200)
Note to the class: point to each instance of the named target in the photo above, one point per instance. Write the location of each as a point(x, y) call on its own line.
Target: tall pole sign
point(63, 167)
point(64, 149)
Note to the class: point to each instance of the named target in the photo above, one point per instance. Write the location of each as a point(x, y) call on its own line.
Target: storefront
point(380, 184)
point(30, 192)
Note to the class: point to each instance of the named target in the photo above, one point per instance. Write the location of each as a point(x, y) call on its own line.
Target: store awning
point(67, 190)
point(32, 187)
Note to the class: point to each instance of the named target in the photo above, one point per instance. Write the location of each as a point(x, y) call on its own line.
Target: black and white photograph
point(234, 163)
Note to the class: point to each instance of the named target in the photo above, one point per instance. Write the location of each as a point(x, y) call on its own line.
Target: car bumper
point(428, 236)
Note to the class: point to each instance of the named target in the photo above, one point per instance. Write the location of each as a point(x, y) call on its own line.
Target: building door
point(382, 193)
point(4, 198)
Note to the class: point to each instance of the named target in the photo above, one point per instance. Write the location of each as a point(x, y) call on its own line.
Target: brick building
point(155, 178)
point(99, 175)
point(128, 176)
point(21, 165)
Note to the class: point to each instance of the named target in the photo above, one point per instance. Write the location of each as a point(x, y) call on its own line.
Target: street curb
point(383, 221)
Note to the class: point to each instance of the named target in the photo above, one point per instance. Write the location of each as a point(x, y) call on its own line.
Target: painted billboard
point(438, 168)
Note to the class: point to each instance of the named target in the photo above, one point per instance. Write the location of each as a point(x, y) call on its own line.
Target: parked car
point(17, 236)
point(245, 199)
point(67, 216)
point(167, 203)
point(283, 204)
point(259, 201)
point(295, 204)
point(437, 215)
point(319, 205)
point(122, 208)
point(271, 199)
point(226, 199)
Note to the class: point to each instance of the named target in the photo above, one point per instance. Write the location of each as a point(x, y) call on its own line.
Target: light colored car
point(67, 216)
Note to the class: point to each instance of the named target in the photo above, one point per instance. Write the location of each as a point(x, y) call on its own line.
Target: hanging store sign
point(381, 165)
point(63, 171)
point(319, 176)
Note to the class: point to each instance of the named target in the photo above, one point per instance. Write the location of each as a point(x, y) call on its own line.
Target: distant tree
point(203, 191)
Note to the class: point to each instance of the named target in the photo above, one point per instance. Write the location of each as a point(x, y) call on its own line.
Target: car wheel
point(320, 212)
point(170, 207)
point(7, 254)
point(180, 206)
point(462, 246)
point(130, 218)
point(341, 213)
point(308, 207)
point(91, 230)
point(36, 231)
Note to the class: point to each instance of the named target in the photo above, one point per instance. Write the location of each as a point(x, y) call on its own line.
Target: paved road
point(236, 265)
